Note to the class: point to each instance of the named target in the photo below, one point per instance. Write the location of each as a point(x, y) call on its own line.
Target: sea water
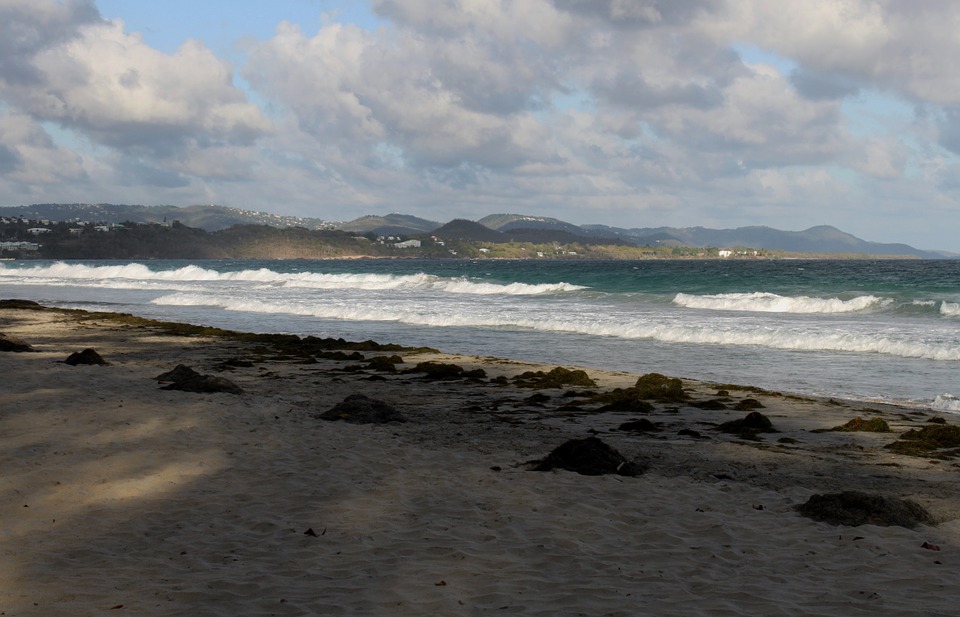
point(884, 330)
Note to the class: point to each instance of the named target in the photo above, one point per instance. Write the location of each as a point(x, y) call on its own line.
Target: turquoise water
point(887, 330)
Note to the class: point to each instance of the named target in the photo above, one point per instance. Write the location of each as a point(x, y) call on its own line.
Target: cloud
point(30, 159)
point(86, 74)
point(27, 27)
point(731, 111)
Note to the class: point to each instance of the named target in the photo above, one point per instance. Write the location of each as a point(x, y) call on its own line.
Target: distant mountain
point(389, 225)
point(461, 229)
point(510, 222)
point(822, 239)
point(208, 218)
point(469, 231)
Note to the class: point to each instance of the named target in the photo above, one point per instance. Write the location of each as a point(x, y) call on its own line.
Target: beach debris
point(930, 441)
point(858, 424)
point(748, 404)
point(589, 457)
point(537, 400)
point(231, 363)
point(930, 547)
point(11, 343)
point(749, 426)
point(186, 379)
point(854, 508)
point(556, 378)
point(384, 364)
point(657, 387)
point(441, 371)
point(649, 387)
point(623, 399)
point(361, 409)
point(87, 356)
point(713, 404)
point(639, 426)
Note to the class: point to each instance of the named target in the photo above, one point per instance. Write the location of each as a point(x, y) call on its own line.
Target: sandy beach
point(120, 497)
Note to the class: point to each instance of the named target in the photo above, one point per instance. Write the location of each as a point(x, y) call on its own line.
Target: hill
point(389, 225)
point(496, 228)
point(208, 218)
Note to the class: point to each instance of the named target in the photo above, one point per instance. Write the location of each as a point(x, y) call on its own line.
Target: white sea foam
point(762, 302)
point(946, 402)
point(950, 309)
point(582, 321)
point(120, 277)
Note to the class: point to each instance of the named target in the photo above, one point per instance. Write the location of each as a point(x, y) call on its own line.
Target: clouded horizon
point(634, 113)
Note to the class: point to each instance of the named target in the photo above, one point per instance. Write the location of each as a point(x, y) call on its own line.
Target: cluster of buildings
point(14, 242)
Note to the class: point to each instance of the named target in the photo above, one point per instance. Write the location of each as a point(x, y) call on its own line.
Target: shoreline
point(118, 493)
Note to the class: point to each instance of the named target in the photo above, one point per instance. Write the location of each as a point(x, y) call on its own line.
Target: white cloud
point(598, 110)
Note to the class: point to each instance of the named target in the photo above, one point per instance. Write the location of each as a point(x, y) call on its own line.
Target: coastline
point(122, 496)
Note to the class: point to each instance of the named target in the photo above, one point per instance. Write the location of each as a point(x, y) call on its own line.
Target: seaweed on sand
point(589, 457)
point(555, 378)
point(859, 425)
point(854, 508)
point(932, 441)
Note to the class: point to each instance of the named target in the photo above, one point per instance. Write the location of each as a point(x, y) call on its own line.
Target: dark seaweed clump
point(749, 427)
point(441, 371)
point(858, 424)
point(590, 457)
point(853, 508)
point(555, 378)
point(361, 409)
point(932, 441)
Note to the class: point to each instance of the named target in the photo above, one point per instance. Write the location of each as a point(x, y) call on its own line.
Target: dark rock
point(186, 379)
point(689, 432)
point(640, 426)
point(590, 457)
point(10, 343)
point(853, 508)
point(87, 356)
point(361, 409)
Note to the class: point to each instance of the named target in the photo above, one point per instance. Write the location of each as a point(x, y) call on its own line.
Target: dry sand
point(122, 498)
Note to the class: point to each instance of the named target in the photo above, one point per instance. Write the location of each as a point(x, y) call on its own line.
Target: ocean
point(885, 330)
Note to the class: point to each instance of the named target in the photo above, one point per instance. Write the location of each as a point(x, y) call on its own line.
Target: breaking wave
point(135, 274)
point(946, 402)
point(772, 303)
point(583, 322)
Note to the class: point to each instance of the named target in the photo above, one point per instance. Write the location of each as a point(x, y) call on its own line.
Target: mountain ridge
point(821, 239)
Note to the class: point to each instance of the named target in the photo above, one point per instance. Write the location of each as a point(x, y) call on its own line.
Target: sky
point(632, 113)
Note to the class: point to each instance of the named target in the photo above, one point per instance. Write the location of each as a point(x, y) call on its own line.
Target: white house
point(409, 244)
